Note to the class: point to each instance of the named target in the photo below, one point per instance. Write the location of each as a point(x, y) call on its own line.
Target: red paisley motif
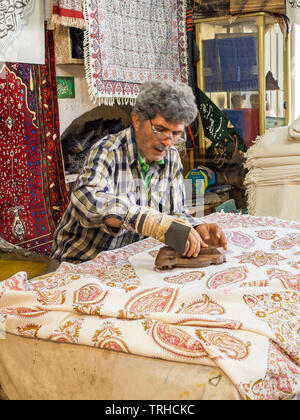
point(177, 341)
point(152, 300)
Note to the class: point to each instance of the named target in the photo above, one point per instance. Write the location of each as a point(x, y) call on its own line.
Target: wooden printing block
point(169, 258)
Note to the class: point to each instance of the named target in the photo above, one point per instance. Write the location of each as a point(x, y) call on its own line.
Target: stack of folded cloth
point(273, 178)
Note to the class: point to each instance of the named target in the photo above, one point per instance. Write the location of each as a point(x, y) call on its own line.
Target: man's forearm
point(113, 222)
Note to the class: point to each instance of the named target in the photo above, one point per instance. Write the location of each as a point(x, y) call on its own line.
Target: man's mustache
point(162, 148)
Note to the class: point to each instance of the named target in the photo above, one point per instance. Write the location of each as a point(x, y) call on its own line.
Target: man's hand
point(209, 234)
point(212, 235)
point(194, 244)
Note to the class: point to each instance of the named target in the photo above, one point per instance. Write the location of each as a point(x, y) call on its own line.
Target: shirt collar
point(145, 166)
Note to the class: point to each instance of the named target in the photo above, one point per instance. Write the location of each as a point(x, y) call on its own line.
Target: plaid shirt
point(111, 184)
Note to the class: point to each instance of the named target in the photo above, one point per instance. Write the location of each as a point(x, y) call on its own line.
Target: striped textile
point(67, 13)
point(111, 184)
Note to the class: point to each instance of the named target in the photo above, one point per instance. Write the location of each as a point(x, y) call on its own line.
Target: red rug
point(33, 194)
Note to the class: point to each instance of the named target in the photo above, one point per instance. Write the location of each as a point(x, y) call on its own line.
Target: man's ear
point(136, 122)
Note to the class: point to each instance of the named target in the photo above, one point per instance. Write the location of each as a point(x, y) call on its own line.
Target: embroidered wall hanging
point(20, 23)
point(32, 189)
point(65, 87)
point(131, 41)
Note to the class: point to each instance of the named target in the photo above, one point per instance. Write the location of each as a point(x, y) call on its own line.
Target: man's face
point(155, 137)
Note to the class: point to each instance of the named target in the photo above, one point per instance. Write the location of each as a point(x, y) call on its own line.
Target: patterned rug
point(132, 41)
point(32, 189)
point(242, 316)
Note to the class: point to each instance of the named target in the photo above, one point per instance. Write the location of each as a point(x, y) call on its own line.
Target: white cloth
point(294, 130)
point(273, 178)
point(293, 10)
point(242, 316)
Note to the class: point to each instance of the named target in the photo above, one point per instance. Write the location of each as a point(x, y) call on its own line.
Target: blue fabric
point(230, 64)
point(239, 63)
point(212, 76)
point(237, 118)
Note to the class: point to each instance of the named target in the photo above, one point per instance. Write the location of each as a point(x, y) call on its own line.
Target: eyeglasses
point(164, 133)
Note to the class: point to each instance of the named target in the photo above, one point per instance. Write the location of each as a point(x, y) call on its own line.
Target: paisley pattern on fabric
point(52, 297)
point(287, 242)
point(109, 338)
point(68, 332)
point(88, 299)
point(152, 300)
point(227, 277)
point(242, 317)
point(185, 277)
point(30, 331)
point(203, 306)
point(240, 239)
point(24, 312)
point(281, 311)
point(288, 280)
point(176, 340)
point(226, 343)
point(278, 383)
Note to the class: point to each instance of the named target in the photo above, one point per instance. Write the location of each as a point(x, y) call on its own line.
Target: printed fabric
point(242, 316)
point(131, 41)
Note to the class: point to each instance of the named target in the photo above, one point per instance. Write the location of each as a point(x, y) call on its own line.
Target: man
point(131, 185)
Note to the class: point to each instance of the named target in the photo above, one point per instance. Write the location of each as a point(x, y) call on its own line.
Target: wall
point(82, 108)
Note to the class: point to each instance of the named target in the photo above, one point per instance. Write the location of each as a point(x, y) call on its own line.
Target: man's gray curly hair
point(175, 102)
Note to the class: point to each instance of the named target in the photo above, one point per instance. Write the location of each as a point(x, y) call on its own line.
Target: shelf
point(64, 47)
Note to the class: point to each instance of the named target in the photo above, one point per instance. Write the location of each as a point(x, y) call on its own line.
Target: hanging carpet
point(32, 188)
point(130, 42)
